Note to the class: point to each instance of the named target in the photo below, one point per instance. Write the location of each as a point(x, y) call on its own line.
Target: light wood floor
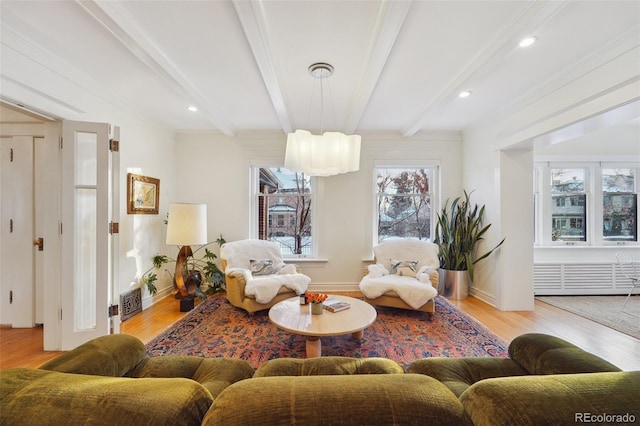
point(23, 347)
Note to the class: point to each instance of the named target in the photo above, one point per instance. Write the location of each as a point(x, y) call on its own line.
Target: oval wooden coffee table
point(295, 318)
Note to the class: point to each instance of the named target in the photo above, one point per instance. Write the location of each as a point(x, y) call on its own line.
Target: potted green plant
point(458, 232)
point(199, 270)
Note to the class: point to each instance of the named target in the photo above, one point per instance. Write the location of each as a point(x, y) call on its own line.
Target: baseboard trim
point(152, 300)
point(484, 296)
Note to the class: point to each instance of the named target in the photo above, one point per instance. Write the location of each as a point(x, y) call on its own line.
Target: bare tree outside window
point(404, 203)
point(285, 199)
point(619, 205)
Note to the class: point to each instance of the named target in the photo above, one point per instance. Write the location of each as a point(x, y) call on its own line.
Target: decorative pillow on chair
point(261, 267)
point(406, 268)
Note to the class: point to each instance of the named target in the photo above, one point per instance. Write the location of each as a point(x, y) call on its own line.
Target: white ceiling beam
point(389, 22)
point(488, 58)
point(254, 24)
point(124, 27)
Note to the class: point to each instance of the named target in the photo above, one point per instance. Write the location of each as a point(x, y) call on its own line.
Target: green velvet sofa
point(110, 380)
point(545, 381)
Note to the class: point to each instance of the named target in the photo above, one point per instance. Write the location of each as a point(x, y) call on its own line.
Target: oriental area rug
point(217, 329)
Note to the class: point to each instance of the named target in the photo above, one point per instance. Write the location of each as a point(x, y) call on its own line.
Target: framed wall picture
point(143, 194)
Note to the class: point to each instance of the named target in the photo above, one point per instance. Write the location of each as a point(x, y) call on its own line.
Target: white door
point(87, 252)
point(17, 281)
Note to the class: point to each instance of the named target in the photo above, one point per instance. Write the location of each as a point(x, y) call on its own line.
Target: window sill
point(583, 246)
point(305, 260)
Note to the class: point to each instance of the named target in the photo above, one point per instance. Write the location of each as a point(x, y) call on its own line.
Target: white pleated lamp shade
point(328, 154)
point(187, 224)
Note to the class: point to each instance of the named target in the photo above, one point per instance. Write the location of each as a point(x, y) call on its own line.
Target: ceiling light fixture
point(327, 154)
point(528, 41)
point(464, 94)
point(192, 108)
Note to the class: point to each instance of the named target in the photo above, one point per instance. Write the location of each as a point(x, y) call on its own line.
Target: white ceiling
point(399, 65)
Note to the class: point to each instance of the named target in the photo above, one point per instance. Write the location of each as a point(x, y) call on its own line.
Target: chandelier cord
point(313, 90)
point(321, 105)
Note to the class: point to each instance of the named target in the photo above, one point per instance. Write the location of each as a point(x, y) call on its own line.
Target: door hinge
point(114, 227)
point(61, 142)
point(11, 155)
point(40, 243)
point(114, 145)
point(113, 311)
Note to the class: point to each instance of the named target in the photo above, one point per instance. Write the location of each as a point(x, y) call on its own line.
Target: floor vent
point(131, 303)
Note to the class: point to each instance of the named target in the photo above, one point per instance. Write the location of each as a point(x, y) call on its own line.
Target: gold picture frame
point(143, 194)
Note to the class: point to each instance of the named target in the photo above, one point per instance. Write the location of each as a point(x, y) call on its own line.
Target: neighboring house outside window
point(619, 204)
point(283, 209)
point(569, 200)
point(591, 204)
point(404, 202)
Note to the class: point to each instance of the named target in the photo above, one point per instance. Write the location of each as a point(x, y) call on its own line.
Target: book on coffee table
point(334, 305)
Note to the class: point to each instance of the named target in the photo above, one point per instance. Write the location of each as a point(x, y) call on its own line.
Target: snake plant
point(458, 232)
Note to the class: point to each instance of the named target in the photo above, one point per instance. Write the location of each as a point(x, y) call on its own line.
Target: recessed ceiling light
point(464, 94)
point(528, 41)
point(192, 108)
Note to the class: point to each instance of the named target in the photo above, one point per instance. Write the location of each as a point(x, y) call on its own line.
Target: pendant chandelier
point(327, 154)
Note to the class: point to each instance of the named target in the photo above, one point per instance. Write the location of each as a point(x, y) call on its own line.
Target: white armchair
point(405, 275)
point(257, 277)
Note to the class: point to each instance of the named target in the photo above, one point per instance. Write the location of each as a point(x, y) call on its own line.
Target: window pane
point(619, 221)
point(568, 204)
point(567, 180)
point(284, 210)
point(569, 218)
point(86, 158)
point(404, 203)
point(85, 260)
point(618, 180)
point(619, 205)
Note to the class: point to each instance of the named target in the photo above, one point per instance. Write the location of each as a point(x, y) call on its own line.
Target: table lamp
point(187, 225)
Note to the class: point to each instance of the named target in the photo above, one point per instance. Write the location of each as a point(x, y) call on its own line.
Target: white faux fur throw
point(265, 287)
point(415, 292)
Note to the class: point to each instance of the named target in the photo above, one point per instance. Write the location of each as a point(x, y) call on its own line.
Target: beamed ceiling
point(399, 65)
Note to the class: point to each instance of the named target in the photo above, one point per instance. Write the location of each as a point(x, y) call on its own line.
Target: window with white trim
point(586, 204)
point(281, 209)
point(569, 204)
point(404, 201)
point(619, 204)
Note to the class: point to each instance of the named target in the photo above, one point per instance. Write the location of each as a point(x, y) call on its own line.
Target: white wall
point(147, 149)
point(490, 163)
point(219, 176)
point(489, 173)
